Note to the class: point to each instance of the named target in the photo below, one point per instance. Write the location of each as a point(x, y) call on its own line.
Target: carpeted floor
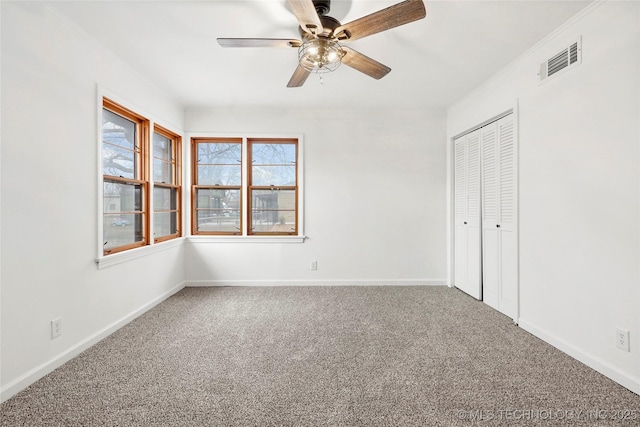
point(315, 356)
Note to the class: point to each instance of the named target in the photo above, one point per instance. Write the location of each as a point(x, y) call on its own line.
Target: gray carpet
point(314, 356)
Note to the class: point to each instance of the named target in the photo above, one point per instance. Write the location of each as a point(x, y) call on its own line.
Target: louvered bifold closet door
point(499, 228)
point(507, 219)
point(467, 240)
point(490, 226)
point(460, 233)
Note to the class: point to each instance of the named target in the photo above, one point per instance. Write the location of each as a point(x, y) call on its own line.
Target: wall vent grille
point(561, 61)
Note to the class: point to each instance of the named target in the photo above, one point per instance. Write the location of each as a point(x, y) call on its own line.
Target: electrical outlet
point(56, 327)
point(313, 265)
point(622, 339)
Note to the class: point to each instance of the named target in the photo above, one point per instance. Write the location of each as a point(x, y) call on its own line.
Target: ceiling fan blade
point(364, 64)
point(305, 12)
point(299, 77)
point(229, 42)
point(382, 20)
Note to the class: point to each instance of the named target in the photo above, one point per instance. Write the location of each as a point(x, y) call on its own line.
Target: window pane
point(207, 198)
point(121, 229)
point(273, 175)
point(218, 210)
point(164, 199)
point(214, 221)
point(162, 171)
point(162, 147)
point(117, 161)
point(273, 154)
point(119, 197)
point(219, 153)
point(219, 175)
point(165, 223)
point(162, 159)
point(122, 217)
point(118, 148)
point(116, 130)
point(273, 211)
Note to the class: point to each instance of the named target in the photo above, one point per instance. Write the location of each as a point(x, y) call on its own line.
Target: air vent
point(563, 60)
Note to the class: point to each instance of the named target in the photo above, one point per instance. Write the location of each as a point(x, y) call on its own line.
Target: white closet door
point(490, 206)
point(474, 240)
point(499, 228)
point(508, 217)
point(460, 233)
point(467, 240)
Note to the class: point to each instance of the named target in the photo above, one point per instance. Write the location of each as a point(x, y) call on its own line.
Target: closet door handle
point(465, 223)
point(498, 225)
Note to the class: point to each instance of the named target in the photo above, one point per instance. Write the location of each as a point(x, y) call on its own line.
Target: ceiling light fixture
point(320, 55)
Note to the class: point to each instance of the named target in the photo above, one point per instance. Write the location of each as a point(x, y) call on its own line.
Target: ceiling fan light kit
point(320, 55)
point(320, 50)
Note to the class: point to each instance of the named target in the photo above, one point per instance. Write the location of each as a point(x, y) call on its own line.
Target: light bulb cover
point(320, 55)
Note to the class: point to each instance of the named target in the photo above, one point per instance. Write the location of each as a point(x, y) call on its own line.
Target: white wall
point(50, 71)
point(374, 200)
point(579, 139)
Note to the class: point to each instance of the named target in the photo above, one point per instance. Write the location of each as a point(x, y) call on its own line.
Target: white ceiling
point(434, 61)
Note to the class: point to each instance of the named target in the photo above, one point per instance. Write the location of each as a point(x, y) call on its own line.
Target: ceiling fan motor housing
point(328, 25)
point(322, 6)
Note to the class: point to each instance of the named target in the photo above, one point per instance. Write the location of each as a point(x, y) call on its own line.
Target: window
point(245, 186)
point(141, 175)
point(217, 180)
point(166, 185)
point(273, 186)
point(125, 178)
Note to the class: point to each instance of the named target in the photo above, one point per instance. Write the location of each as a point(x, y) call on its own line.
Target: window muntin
point(125, 179)
point(217, 186)
point(167, 192)
point(273, 188)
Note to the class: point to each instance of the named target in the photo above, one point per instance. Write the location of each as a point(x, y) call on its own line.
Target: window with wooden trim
point(125, 178)
point(141, 180)
point(217, 186)
point(273, 186)
point(167, 190)
point(245, 186)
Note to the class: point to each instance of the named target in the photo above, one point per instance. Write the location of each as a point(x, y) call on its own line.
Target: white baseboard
point(328, 282)
point(606, 369)
point(40, 371)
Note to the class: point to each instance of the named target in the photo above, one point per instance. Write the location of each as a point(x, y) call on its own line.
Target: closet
point(485, 234)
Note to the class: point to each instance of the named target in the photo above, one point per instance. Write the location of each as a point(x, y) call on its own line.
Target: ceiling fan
point(321, 48)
